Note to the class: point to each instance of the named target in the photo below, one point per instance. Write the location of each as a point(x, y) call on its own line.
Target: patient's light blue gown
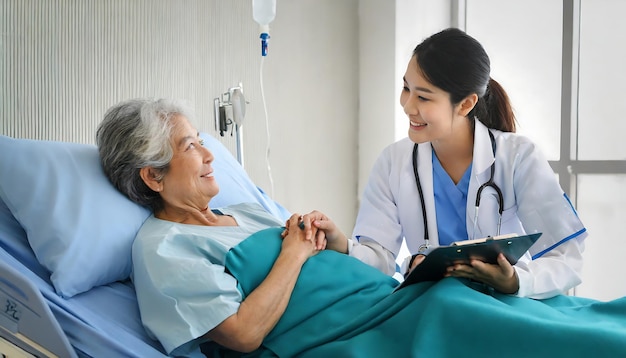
point(178, 272)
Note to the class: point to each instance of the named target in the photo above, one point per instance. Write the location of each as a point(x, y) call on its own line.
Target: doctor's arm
point(553, 273)
point(377, 232)
point(547, 276)
point(331, 238)
point(541, 206)
point(373, 254)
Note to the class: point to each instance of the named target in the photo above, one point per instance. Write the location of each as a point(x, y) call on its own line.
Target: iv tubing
point(267, 130)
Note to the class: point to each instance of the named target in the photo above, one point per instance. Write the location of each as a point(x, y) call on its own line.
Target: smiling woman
point(463, 157)
point(152, 153)
point(172, 170)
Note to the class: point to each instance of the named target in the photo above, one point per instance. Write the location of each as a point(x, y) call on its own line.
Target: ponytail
point(458, 64)
point(494, 108)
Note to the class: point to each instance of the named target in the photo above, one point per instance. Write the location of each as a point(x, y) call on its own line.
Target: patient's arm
point(260, 311)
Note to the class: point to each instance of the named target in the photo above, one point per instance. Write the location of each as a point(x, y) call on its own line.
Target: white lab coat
point(533, 202)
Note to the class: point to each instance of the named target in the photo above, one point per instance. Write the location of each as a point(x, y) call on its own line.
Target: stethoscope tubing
point(488, 183)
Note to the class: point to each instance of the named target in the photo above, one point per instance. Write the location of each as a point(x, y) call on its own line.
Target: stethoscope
point(489, 183)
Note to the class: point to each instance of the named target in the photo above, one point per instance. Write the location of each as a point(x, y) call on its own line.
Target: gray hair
point(135, 134)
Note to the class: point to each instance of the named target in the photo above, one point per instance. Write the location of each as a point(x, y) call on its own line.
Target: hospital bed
point(65, 239)
point(65, 262)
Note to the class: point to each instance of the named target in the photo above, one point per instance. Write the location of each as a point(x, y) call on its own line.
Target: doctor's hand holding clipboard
point(462, 174)
point(488, 260)
point(501, 277)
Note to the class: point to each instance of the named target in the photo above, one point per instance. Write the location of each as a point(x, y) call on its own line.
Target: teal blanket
point(342, 307)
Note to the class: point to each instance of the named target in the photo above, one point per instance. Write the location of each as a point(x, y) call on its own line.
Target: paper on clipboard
point(486, 249)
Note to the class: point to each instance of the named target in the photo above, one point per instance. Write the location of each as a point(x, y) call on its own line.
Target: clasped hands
point(318, 229)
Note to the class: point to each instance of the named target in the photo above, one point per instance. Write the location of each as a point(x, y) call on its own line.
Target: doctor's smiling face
point(432, 116)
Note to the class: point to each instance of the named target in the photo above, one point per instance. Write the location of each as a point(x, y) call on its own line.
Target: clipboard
point(486, 249)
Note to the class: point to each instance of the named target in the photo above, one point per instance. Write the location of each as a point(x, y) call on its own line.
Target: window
point(560, 63)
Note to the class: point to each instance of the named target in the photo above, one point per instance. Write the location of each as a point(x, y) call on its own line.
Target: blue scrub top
point(450, 204)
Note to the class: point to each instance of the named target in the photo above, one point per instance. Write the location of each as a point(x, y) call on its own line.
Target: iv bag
point(263, 12)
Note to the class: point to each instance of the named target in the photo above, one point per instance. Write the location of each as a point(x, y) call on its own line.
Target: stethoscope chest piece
point(423, 248)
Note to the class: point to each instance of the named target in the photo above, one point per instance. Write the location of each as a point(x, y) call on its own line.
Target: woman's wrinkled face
point(428, 107)
point(189, 181)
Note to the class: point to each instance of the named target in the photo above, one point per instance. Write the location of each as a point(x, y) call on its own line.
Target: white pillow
point(79, 226)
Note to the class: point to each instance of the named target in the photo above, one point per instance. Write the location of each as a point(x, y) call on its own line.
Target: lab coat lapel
point(488, 214)
point(425, 170)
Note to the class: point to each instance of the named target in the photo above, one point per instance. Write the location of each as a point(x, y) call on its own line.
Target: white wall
point(376, 82)
point(311, 84)
point(63, 63)
point(531, 62)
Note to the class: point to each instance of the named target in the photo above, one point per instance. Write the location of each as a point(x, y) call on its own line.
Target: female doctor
point(462, 174)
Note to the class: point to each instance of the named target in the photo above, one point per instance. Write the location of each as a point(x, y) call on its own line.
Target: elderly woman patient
point(233, 279)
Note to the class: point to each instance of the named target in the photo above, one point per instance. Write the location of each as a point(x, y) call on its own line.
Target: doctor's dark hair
point(135, 134)
point(458, 64)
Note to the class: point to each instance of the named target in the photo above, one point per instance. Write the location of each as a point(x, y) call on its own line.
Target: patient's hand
point(297, 239)
point(328, 235)
point(502, 276)
point(310, 235)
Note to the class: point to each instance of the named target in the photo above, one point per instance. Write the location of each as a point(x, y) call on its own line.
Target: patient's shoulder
point(251, 212)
